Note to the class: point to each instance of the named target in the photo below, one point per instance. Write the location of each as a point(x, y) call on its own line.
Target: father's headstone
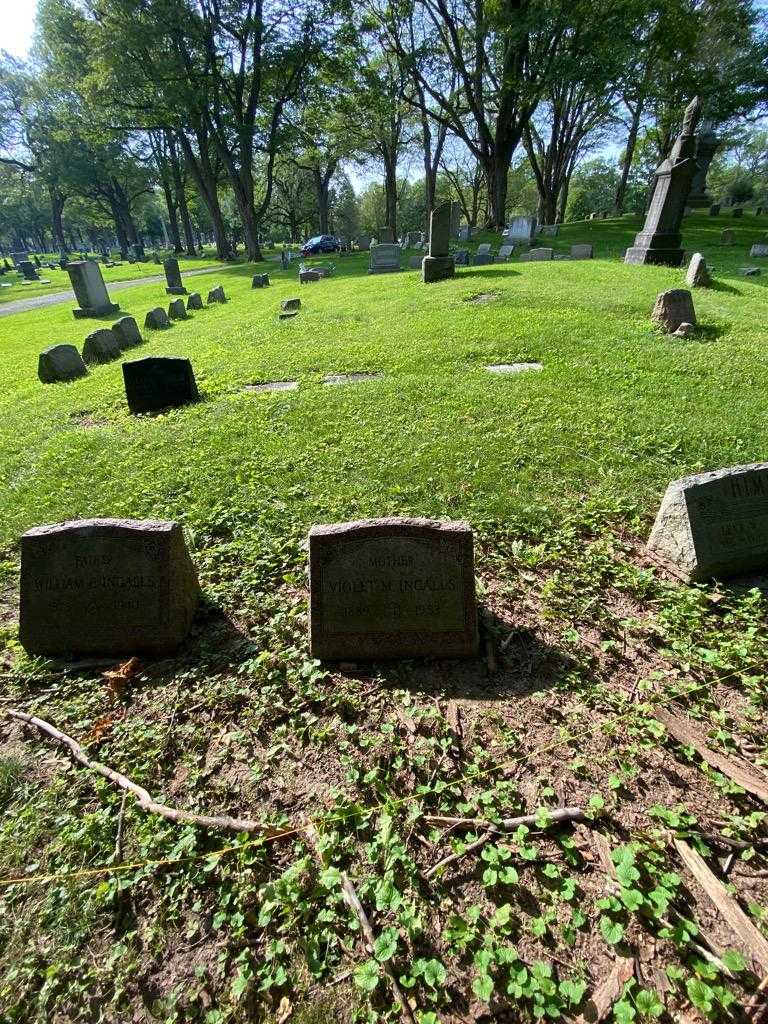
point(673, 308)
point(660, 240)
point(439, 264)
point(126, 330)
point(173, 280)
point(101, 347)
point(90, 290)
point(392, 588)
point(59, 363)
point(106, 586)
point(697, 275)
point(715, 524)
point(383, 258)
point(159, 382)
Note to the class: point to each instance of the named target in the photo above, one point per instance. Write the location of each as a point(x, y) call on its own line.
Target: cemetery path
point(55, 298)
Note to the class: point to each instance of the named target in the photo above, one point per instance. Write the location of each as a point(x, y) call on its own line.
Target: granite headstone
point(127, 332)
point(60, 363)
point(101, 346)
point(90, 290)
point(174, 285)
point(159, 382)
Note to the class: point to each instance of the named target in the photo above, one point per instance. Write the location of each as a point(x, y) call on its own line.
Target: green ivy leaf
point(482, 986)
point(648, 1003)
point(612, 931)
point(367, 976)
point(386, 945)
point(700, 994)
point(734, 961)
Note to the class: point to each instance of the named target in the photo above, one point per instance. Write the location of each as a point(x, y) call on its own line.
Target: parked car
point(320, 244)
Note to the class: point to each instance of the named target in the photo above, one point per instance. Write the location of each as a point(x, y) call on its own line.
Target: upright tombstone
point(173, 282)
point(697, 275)
point(90, 290)
point(260, 281)
point(383, 258)
point(156, 319)
point(364, 242)
point(582, 251)
point(537, 255)
point(714, 210)
point(439, 264)
point(715, 524)
point(19, 257)
point(195, 301)
point(127, 332)
point(385, 235)
point(759, 249)
point(177, 310)
point(28, 270)
point(106, 587)
point(101, 346)
point(392, 588)
point(216, 295)
point(660, 240)
point(60, 363)
point(551, 230)
point(159, 382)
point(521, 230)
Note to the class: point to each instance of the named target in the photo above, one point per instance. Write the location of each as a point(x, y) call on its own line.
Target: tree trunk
point(496, 170)
point(390, 191)
point(205, 182)
point(626, 163)
point(181, 197)
point(322, 180)
point(173, 220)
point(57, 209)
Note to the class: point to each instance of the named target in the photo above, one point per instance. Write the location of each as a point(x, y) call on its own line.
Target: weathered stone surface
point(513, 367)
point(461, 258)
point(684, 331)
point(440, 230)
point(106, 586)
point(728, 236)
point(540, 254)
point(550, 229)
point(715, 524)
point(273, 385)
point(158, 382)
point(216, 295)
point(437, 268)
point(484, 249)
point(90, 290)
point(759, 249)
point(28, 270)
point(101, 346)
point(174, 285)
point(384, 258)
point(60, 363)
point(521, 229)
point(660, 241)
point(505, 252)
point(673, 308)
point(309, 276)
point(126, 330)
point(392, 588)
point(156, 319)
point(289, 305)
point(582, 252)
point(697, 275)
point(195, 301)
point(177, 310)
point(260, 281)
point(364, 242)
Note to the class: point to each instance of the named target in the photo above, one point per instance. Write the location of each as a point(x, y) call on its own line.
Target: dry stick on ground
point(738, 770)
point(758, 1004)
point(353, 902)
point(145, 800)
point(740, 924)
point(601, 1002)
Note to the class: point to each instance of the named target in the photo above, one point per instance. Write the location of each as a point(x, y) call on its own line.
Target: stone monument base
point(437, 268)
point(657, 257)
point(81, 314)
point(175, 291)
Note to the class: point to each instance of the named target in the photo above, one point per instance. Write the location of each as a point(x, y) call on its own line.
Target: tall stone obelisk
point(660, 240)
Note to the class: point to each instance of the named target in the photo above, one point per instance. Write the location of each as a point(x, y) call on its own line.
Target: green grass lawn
point(560, 473)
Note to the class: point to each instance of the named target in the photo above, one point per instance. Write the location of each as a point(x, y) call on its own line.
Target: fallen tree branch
point(753, 940)
point(452, 857)
point(353, 902)
point(560, 814)
point(145, 800)
point(738, 770)
point(600, 1004)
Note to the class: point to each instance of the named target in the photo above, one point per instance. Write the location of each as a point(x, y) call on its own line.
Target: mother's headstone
point(174, 285)
point(158, 382)
point(90, 290)
point(715, 524)
point(392, 588)
point(101, 346)
point(60, 363)
point(106, 586)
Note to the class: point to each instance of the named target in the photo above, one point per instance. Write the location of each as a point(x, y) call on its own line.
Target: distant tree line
point(242, 120)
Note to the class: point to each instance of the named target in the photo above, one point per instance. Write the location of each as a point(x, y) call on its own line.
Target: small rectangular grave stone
point(385, 235)
point(156, 319)
point(715, 524)
point(290, 305)
point(505, 252)
point(29, 271)
point(521, 229)
point(60, 363)
point(127, 332)
point(195, 301)
point(384, 258)
point(106, 587)
point(177, 310)
point(582, 252)
point(101, 346)
point(536, 255)
point(260, 281)
point(392, 588)
point(159, 382)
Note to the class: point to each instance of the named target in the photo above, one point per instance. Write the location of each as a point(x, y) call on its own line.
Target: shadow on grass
point(487, 272)
point(721, 286)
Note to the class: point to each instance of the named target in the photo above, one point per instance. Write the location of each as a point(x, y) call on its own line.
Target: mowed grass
point(115, 914)
point(617, 412)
